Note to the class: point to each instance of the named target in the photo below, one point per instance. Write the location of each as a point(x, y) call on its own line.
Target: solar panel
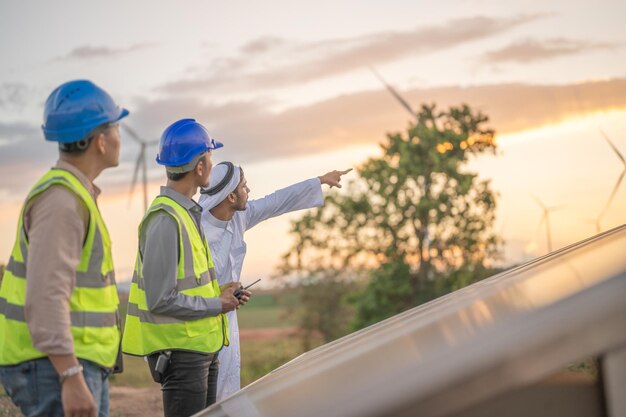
point(439, 358)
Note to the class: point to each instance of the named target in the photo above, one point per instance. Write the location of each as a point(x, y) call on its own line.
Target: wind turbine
point(546, 218)
point(619, 179)
point(140, 163)
point(394, 93)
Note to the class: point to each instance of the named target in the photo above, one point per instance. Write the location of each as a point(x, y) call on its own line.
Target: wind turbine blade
point(617, 152)
point(555, 208)
point(538, 229)
point(135, 174)
point(539, 202)
point(548, 233)
point(613, 193)
point(132, 133)
point(595, 223)
point(393, 92)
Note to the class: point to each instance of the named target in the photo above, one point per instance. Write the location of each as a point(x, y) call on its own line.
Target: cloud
point(251, 132)
point(22, 150)
point(273, 62)
point(263, 45)
point(530, 50)
point(96, 52)
point(13, 96)
point(11, 133)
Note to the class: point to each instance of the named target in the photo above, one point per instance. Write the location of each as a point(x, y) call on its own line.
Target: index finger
point(345, 172)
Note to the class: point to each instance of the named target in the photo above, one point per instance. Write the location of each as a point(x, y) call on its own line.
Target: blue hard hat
point(182, 141)
point(77, 107)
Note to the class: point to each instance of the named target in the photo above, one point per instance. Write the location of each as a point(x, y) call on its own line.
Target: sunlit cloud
point(253, 133)
point(95, 52)
point(531, 50)
point(271, 62)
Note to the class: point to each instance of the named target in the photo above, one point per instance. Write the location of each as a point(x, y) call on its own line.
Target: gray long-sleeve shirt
point(56, 225)
point(158, 244)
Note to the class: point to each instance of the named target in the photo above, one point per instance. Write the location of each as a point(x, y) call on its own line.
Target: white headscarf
point(218, 172)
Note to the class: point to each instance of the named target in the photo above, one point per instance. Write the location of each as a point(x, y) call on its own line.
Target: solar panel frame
point(496, 335)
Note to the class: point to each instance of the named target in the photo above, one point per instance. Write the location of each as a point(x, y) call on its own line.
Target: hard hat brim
point(216, 145)
point(123, 114)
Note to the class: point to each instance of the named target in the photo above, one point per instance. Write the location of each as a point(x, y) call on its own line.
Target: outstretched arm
point(303, 195)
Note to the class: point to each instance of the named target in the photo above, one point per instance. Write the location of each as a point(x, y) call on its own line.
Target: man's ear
point(199, 168)
point(99, 142)
point(232, 197)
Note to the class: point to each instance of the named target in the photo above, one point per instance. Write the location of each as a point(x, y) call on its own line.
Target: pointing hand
point(333, 178)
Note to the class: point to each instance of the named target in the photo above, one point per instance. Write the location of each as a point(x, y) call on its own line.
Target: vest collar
point(186, 202)
point(86, 182)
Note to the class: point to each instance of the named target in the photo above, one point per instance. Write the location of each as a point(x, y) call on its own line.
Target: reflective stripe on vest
point(93, 302)
point(146, 332)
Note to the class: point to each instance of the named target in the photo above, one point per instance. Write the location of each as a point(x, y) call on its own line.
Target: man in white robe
point(226, 216)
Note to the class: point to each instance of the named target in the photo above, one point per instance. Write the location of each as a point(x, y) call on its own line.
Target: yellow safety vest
point(146, 332)
point(93, 303)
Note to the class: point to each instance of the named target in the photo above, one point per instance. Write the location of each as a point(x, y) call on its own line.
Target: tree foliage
point(415, 222)
point(326, 313)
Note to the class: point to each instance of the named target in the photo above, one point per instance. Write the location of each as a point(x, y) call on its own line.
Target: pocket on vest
point(200, 327)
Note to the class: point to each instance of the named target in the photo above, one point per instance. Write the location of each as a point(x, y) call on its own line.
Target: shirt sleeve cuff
point(316, 191)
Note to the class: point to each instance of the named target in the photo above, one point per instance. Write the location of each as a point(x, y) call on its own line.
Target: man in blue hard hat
point(59, 333)
point(176, 309)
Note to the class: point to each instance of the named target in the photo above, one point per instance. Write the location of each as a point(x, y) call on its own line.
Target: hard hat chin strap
point(83, 144)
point(79, 146)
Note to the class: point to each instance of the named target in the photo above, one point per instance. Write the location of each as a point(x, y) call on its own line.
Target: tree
point(323, 309)
point(415, 223)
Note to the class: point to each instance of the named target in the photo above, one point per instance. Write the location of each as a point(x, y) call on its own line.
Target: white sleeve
point(303, 195)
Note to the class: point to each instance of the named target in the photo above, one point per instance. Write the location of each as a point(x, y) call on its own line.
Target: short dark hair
point(80, 146)
point(176, 176)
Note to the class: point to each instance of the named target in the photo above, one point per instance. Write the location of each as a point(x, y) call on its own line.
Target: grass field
point(267, 310)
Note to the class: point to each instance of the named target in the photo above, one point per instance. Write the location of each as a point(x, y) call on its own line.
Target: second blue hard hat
point(182, 141)
point(77, 107)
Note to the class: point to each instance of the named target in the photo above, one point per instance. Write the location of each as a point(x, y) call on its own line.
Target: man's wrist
point(70, 372)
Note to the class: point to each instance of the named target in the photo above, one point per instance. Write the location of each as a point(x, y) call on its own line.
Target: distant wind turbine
point(546, 218)
point(394, 93)
point(140, 163)
point(619, 179)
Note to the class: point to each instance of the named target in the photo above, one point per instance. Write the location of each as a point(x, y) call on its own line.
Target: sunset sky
point(287, 87)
